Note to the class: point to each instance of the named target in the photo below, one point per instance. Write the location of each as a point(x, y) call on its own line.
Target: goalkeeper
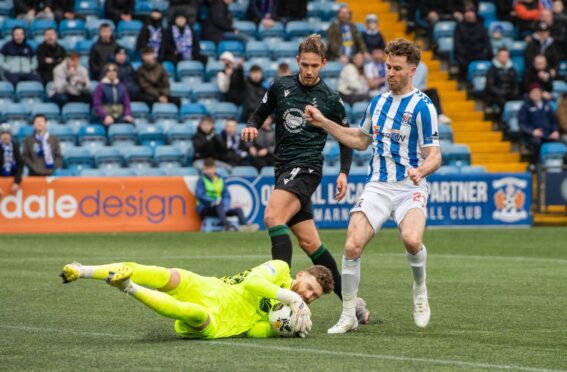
point(208, 307)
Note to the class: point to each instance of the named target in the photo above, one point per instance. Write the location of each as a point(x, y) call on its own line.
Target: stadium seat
point(520, 66)
point(563, 69)
point(181, 135)
point(233, 46)
point(93, 172)
point(9, 23)
point(93, 136)
point(129, 28)
point(238, 9)
point(213, 67)
point(140, 112)
point(6, 92)
point(76, 113)
point(151, 135)
point(181, 90)
point(476, 75)
point(168, 156)
point(164, 111)
point(297, 29)
point(120, 172)
point(276, 31)
point(244, 171)
point(190, 69)
point(363, 157)
point(87, 7)
point(138, 156)
point(73, 27)
point(445, 133)
point(473, 169)
point(332, 70)
point(206, 92)
point(63, 172)
point(223, 172)
point(208, 48)
point(257, 49)
point(487, 11)
point(30, 92)
point(559, 87)
point(445, 46)
point(447, 170)
point(150, 172)
point(83, 47)
point(64, 134)
point(456, 154)
point(38, 26)
point(285, 49)
point(122, 135)
point(247, 28)
point(443, 29)
point(169, 68)
point(507, 28)
point(16, 113)
point(142, 8)
point(191, 111)
point(184, 171)
point(267, 171)
point(78, 158)
point(517, 48)
point(331, 152)
point(108, 157)
point(50, 110)
point(224, 110)
point(551, 155)
point(358, 112)
point(510, 115)
point(24, 131)
point(6, 8)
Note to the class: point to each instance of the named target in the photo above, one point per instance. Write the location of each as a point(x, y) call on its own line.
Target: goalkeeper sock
point(323, 257)
point(149, 276)
point(350, 281)
point(417, 266)
point(281, 243)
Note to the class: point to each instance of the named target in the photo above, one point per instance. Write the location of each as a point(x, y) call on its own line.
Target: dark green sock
point(323, 257)
point(282, 248)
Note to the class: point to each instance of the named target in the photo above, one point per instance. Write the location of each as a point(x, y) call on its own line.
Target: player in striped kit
point(401, 124)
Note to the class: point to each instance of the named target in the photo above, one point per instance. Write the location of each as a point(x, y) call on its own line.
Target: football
point(279, 318)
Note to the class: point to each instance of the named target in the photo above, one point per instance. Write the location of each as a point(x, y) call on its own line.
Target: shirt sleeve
point(266, 280)
point(366, 122)
point(428, 129)
point(264, 109)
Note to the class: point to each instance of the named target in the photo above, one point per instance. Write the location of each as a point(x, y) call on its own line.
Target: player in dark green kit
point(299, 159)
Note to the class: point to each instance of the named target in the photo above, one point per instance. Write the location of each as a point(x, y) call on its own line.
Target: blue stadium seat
point(331, 152)
point(122, 135)
point(70, 41)
point(476, 75)
point(129, 28)
point(244, 171)
point(447, 170)
point(10, 23)
point(93, 25)
point(487, 11)
point(286, 49)
point(165, 111)
point(559, 87)
point(140, 112)
point(93, 136)
point(456, 154)
point(108, 157)
point(193, 111)
point(257, 49)
point(224, 110)
point(443, 29)
point(208, 48)
point(62, 172)
point(150, 172)
point(93, 173)
point(358, 111)
point(507, 28)
point(247, 28)
point(184, 171)
point(168, 156)
point(16, 113)
point(445, 133)
point(72, 27)
point(363, 157)
point(314, 9)
point(234, 46)
point(190, 69)
point(38, 26)
point(517, 48)
point(332, 70)
point(87, 7)
point(120, 172)
point(445, 46)
point(331, 170)
point(76, 113)
point(83, 47)
point(142, 8)
point(267, 171)
point(181, 135)
point(50, 110)
point(64, 134)
point(277, 31)
point(563, 69)
point(6, 8)
point(24, 131)
point(6, 92)
point(473, 169)
point(169, 68)
point(297, 29)
point(151, 135)
point(30, 92)
point(238, 9)
point(213, 67)
point(206, 92)
point(78, 158)
point(138, 156)
point(510, 115)
point(181, 90)
point(519, 66)
point(551, 155)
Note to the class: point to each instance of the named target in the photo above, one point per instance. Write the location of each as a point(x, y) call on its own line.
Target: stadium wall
point(49, 205)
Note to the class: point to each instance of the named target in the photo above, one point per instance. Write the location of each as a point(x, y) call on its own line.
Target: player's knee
point(309, 245)
point(412, 242)
point(271, 218)
point(353, 249)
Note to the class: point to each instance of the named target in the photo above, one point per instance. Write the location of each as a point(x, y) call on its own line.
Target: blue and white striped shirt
point(400, 126)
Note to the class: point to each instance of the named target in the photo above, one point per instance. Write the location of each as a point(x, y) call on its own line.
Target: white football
point(279, 318)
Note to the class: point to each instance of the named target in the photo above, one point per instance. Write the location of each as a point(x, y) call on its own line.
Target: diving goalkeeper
point(208, 307)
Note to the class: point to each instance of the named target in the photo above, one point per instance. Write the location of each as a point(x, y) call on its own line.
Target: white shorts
point(382, 200)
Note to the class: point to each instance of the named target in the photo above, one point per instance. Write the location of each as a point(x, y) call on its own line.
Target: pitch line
point(335, 353)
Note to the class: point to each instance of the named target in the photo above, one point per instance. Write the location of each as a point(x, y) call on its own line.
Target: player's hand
point(300, 317)
point(341, 186)
point(415, 175)
point(314, 116)
point(249, 134)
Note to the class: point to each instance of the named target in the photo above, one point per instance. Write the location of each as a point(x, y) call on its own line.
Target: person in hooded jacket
point(111, 101)
point(17, 59)
point(501, 80)
point(102, 51)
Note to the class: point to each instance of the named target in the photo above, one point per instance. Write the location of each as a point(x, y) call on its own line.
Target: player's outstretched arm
point(351, 137)
point(431, 163)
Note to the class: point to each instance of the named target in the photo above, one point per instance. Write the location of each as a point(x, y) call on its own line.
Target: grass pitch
point(498, 299)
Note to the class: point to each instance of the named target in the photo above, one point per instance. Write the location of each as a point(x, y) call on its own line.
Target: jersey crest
point(293, 120)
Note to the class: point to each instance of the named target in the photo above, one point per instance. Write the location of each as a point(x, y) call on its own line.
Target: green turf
point(498, 299)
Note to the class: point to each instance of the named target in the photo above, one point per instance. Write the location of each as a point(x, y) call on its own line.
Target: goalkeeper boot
point(120, 278)
point(346, 323)
point(361, 310)
point(421, 310)
point(71, 272)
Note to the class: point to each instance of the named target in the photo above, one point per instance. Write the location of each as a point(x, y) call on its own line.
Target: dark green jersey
point(297, 142)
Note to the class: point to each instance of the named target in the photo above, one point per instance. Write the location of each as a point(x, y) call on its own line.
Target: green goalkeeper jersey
point(237, 304)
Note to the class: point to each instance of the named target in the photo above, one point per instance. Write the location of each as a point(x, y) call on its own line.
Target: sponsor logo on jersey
point(395, 135)
point(265, 99)
point(293, 120)
point(510, 199)
point(286, 93)
point(314, 102)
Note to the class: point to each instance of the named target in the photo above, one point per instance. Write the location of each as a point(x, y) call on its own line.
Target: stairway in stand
point(486, 145)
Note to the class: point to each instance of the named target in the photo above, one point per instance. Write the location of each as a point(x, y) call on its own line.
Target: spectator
point(542, 43)
point(262, 11)
point(505, 10)
point(102, 51)
point(224, 77)
point(540, 73)
point(527, 12)
point(49, 55)
point(70, 82)
point(234, 149)
point(375, 73)
point(343, 38)
point(208, 144)
point(213, 199)
point(127, 74)
point(42, 153)
point(562, 117)
point(17, 59)
point(153, 80)
point(433, 11)
point(471, 41)
point(10, 158)
point(61, 9)
point(218, 25)
point(283, 70)
point(119, 10)
point(249, 91)
point(290, 10)
point(29, 10)
point(353, 85)
point(111, 101)
point(188, 8)
point(420, 82)
point(371, 34)
point(151, 34)
point(537, 120)
point(180, 43)
point(261, 151)
point(559, 12)
point(497, 39)
point(558, 31)
point(501, 80)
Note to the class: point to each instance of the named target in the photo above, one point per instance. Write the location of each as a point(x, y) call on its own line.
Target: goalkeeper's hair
point(402, 47)
point(323, 276)
point(313, 44)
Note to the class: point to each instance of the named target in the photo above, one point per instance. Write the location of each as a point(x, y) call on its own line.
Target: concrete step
point(480, 136)
point(487, 159)
point(463, 115)
point(541, 219)
point(489, 147)
point(471, 126)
